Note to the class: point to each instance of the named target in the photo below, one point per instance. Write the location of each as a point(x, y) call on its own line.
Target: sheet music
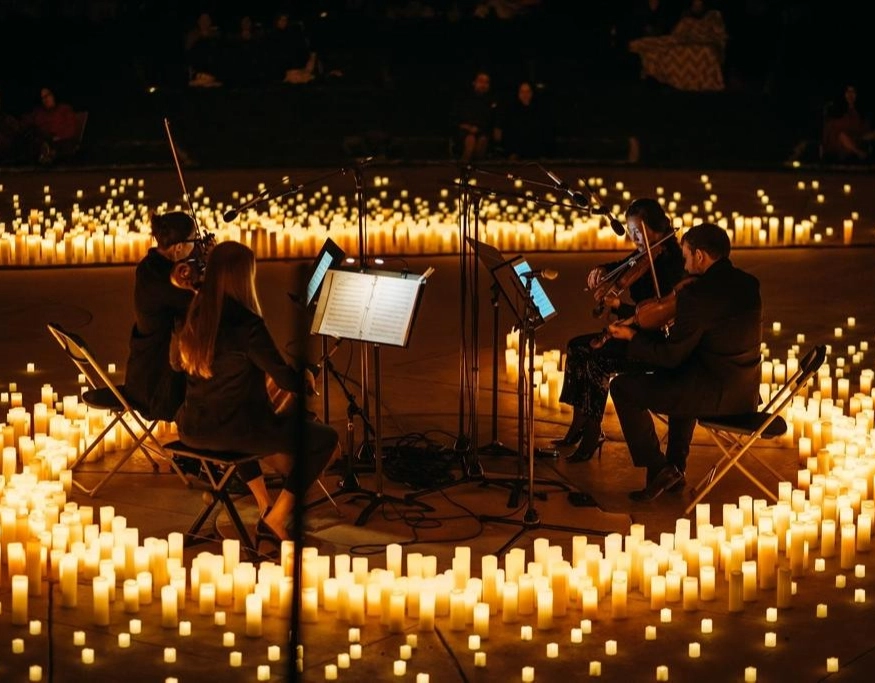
point(367, 306)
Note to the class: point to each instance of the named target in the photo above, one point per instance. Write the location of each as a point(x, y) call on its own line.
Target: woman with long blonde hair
point(227, 354)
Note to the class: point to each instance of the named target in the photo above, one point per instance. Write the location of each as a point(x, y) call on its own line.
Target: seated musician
point(151, 384)
point(588, 370)
point(707, 365)
point(227, 353)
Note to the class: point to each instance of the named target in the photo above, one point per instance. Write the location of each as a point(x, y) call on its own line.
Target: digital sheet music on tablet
point(377, 307)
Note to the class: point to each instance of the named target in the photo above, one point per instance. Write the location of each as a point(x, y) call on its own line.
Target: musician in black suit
point(707, 365)
point(152, 386)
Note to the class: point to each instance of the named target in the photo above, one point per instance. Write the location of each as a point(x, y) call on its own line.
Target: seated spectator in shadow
point(203, 53)
point(691, 57)
point(291, 58)
point(475, 120)
point(847, 131)
point(10, 137)
point(649, 18)
point(245, 54)
point(525, 130)
point(51, 129)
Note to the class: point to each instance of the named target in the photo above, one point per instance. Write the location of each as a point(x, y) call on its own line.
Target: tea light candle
point(17, 646)
point(552, 650)
point(35, 673)
point(772, 614)
point(235, 658)
point(87, 655)
point(859, 595)
point(771, 639)
point(662, 672)
point(528, 674)
point(124, 640)
point(576, 635)
point(707, 626)
point(473, 642)
point(610, 647)
point(665, 615)
point(595, 668)
point(650, 633)
point(354, 635)
point(860, 571)
point(355, 651)
point(330, 672)
point(35, 627)
point(480, 659)
point(185, 628)
point(170, 655)
point(750, 674)
point(586, 625)
point(821, 611)
point(135, 626)
point(263, 672)
point(832, 664)
point(525, 632)
point(343, 660)
point(399, 667)
point(405, 652)
point(694, 650)
point(228, 638)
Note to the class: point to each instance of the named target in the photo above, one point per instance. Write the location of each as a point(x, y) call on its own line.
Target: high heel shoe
point(588, 447)
point(574, 433)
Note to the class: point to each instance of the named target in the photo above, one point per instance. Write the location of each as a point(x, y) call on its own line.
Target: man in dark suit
point(707, 365)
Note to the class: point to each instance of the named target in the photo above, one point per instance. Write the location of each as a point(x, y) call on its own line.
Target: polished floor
point(425, 410)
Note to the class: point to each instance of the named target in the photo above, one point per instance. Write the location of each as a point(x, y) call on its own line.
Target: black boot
point(575, 430)
point(592, 439)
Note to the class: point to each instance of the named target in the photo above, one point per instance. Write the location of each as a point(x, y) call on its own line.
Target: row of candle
point(297, 228)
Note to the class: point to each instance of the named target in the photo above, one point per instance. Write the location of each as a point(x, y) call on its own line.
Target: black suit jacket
point(151, 384)
point(711, 356)
point(231, 410)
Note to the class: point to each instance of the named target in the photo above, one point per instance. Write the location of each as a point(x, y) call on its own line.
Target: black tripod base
point(532, 520)
point(518, 486)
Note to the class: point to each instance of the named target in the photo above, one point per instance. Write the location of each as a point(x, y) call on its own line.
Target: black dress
point(588, 371)
point(151, 384)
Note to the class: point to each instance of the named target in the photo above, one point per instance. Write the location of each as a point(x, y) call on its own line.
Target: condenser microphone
point(231, 215)
point(546, 273)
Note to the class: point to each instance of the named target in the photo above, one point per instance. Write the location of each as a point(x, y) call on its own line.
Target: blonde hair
point(230, 273)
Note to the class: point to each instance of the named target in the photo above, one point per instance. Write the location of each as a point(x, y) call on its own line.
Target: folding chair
point(106, 395)
point(736, 434)
point(219, 469)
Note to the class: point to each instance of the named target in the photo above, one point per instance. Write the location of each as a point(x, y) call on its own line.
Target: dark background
point(390, 80)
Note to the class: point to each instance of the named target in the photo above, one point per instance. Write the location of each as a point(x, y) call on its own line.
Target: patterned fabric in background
point(690, 58)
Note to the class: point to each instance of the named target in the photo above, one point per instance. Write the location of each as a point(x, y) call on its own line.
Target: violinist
point(707, 365)
point(152, 386)
point(588, 370)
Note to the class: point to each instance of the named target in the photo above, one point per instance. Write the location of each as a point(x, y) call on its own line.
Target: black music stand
point(379, 308)
point(529, 302)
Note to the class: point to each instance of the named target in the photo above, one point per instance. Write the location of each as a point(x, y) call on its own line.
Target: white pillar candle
point(474, 642)
point(35, 672)
point(135, 626)
point(552, 650)
point(17, 646)
point(19, 600)
point(481, 620)
point(662, 672)
point(87, 655)
point(343, 659)
point(399, 667)
point(576, 635)
point(262, 673)
point(528, 674)
point(694, 650)
point(832, 664)
point(611, 647)
point(170, 655)
point(750, 674)
point(595, 669)
point(545, 609)
point(169, 607)
point(355, 651)
point(254, 607)
point(100, 593)
point(480, 659)
point(235, 658)
point(525, 632)
point(330, 672)
point(131, 596)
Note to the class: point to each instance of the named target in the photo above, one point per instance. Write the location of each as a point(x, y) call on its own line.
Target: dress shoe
point(669, 478)
point(591, 442)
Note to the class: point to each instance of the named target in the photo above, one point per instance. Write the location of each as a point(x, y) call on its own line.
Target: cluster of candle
point(57, 430)
point(117, 230)
point(548, 373)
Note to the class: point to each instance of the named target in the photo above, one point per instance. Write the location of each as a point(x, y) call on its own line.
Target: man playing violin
point(707, 365)
point(152, 386)
point(590, 365)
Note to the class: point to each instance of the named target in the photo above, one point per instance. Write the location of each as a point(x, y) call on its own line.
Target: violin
point(633, 267)
point(651, 314)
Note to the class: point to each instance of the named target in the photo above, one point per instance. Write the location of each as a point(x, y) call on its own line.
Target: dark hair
point(171, 228)
point(707, 237)
point(651, 213)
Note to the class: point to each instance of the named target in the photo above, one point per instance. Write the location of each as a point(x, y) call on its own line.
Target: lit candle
point(235, 658)
point(611, 647)
point(528, 674)
point(169, 607)
point(330, 672)
point(124, 640)
point(552, 650)
point(399, 667)
point(254, 608)
point(35, 672)
point(480, 659)
point(750, 674)
point(481, 620)
point(19, 600)
point(595, 669)
point(100, 591)
point(170, 655)
point(694, 650)
point(87, 655)
point(832, 664)
point(17, 646)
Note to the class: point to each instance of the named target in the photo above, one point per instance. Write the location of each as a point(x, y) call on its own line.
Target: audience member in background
point(291, 58)
point(52, 129)
point(203, 53)
point(10, 136)
point(647, 18)
point(525, 129)
point(475, 120)
point(847, 131)
point(245, 54)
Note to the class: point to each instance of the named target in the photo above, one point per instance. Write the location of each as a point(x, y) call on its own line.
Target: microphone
point(617, 227)
point(546, 273)
point(556, 181)
point(230, 215)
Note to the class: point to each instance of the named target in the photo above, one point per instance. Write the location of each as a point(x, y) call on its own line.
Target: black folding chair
point(735, 435)
point(104, 394)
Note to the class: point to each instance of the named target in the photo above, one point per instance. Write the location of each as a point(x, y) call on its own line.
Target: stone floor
point(810, 291)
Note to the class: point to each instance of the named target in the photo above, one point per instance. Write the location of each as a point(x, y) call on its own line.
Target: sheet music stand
point(530, 304)
point(377, 308)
